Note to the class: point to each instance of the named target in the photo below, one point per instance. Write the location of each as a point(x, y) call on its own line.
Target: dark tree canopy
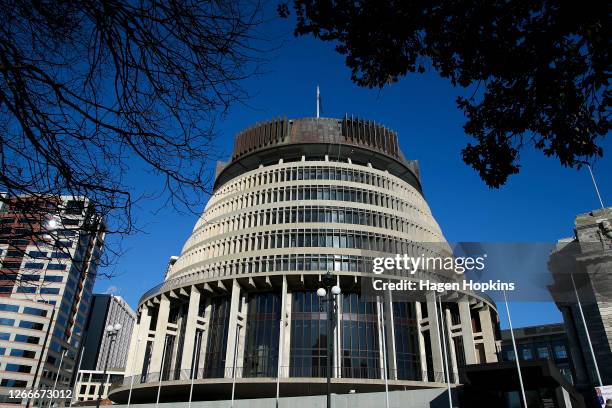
point(87, 86)
point(539, 70)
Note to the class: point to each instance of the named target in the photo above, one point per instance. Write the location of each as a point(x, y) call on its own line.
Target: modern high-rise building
point(49, 254)
point(300, 198)
point(103, 351)
point(587, 259)
point(107, 310)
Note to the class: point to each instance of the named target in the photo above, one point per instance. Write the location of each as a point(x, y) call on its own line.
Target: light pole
point(329, 294)
point(111, 332)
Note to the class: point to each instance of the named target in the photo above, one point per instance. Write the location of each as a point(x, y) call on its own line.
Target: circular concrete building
point(300, 198)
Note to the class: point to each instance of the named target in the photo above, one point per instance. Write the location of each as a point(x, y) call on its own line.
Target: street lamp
point(111, 332)
point(329, 294)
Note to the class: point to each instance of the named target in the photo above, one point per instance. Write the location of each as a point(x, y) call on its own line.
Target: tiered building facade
point(300, 198)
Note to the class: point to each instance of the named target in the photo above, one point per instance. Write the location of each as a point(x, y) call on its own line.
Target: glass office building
point(299, 198)
point(49, 254)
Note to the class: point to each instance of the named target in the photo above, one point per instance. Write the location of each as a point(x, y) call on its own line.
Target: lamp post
point(329, 294)
point(111, 332)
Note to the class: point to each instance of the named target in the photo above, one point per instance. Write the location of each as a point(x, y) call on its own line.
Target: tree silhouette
point(88, 86)
point(539, 69)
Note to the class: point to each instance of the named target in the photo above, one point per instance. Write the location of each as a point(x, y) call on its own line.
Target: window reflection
point(262, 334)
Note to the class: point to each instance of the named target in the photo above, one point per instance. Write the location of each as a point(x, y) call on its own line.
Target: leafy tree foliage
point(539, 69)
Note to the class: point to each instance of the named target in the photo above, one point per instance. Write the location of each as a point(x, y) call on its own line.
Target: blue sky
point(537, 205)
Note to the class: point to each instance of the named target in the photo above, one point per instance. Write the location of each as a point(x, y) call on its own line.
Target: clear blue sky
point(538, 205)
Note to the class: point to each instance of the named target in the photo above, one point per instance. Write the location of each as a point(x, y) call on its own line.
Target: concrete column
point(435, 336)
point(422, 358)
point(488, 335)
point(132, 351)
point(160, 334)
point(390, 335)
point(190, 329)
point(231, 331)
point(469, 348)
point(138, 348)
point(452, 355)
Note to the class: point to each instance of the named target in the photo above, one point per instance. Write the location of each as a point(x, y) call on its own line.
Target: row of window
point(322, 238)
point(24, 324)
point(37, 254)
point(20, 338)
point(301, 172)
point(29, 277)
point(32, 289)
point(529, 352)
point(323, 214)
point(313, 192)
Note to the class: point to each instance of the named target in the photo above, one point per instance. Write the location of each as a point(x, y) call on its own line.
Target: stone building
point(587, 258)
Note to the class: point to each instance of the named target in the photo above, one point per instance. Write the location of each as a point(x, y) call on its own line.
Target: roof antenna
point(318, 101)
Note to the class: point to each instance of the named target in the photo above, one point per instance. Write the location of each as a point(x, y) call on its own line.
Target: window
point(18, 368)
point(261, 335)
point(560, 351)
point(30, 277)
point(527, 354)
point(53, 278)
point(543, 352)
point(34, 311)
point(9, 382)
point(11, 265)
point(24, 324)
point(8, 308)
point(33, 265)
point(22, 338)
point(5, 336)
point(56, 267)
point(60, 255)
point(23, 353)
point(50, 291)
point(37, 254)
point(6, 322)
point(26, 289)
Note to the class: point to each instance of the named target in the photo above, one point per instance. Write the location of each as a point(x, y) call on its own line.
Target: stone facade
point(588, 259)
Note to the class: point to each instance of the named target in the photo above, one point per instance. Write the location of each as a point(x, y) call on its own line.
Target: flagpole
point(441, 327)
point(132, 373)
point(318, 101)
point(234, 365)
point(59, 370)
point(516, 356)
point(194, 374)
point(77, 377)
point(586, 330)
point(161, 373)
point(384, 349)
